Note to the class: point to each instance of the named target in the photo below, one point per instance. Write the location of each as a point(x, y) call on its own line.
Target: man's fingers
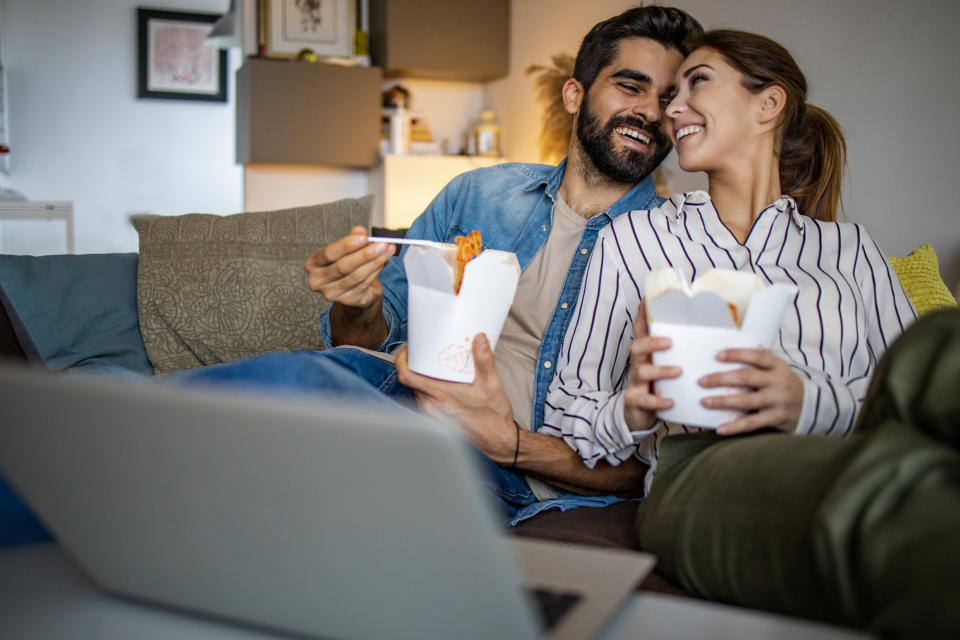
point(363, 276)
point(483, 361)
point(332, 252)
point(335, 280)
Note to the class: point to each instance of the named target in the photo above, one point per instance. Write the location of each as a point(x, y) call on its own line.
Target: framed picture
point(173, 59)
point(325, 27)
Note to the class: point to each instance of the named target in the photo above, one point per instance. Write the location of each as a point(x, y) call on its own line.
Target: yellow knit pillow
point(919, 273)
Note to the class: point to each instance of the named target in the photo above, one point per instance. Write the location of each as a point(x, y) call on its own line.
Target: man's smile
point(633, 134)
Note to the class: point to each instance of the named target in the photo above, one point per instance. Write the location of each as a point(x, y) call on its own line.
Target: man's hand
point(773, 392)
point(480, 408)
point(640, 403)
point(347, 273)
point(485, 417)
point(347, 270)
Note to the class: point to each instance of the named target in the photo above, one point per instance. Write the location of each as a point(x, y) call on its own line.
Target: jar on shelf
point(485, 136)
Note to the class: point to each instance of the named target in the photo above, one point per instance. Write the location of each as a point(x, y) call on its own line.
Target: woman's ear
point(773, 99)
point(572, 95)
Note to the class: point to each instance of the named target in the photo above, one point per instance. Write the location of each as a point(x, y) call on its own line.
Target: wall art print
point(174, 61)
point(325, 27)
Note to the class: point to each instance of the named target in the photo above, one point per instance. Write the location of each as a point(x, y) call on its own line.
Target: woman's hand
point(773, 393)
point(640, 403)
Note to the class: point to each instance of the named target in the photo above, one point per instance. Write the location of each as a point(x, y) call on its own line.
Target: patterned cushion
point(919, 273)
point(214, 289)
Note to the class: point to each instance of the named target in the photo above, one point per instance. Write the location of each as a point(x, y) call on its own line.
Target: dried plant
point(556, 123)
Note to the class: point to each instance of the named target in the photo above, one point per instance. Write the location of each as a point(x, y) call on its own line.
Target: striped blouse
point(849, 308)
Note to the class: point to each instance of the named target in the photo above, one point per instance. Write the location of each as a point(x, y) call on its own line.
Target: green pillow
point(214, 288)
point(71, 311)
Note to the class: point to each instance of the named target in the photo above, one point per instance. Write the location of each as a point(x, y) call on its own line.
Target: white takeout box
point(441, 325)
point(700, 324)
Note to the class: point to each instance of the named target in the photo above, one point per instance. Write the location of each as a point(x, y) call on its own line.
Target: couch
point(206, 289)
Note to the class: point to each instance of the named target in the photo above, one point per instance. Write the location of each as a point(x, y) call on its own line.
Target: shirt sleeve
point(585, 401)
point(429, 225)
point(831, 404)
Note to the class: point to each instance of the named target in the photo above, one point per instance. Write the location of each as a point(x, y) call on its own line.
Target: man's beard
point(629, 165)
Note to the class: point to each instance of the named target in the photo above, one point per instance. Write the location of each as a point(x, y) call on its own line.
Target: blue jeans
point(351, 372)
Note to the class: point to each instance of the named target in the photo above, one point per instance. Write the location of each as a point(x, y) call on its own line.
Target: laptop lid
point(316, 517)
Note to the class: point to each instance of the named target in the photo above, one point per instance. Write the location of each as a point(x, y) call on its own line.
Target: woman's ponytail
point(813, 156)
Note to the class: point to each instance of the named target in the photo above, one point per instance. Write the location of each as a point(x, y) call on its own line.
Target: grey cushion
point(214, 289)
point(74, 310)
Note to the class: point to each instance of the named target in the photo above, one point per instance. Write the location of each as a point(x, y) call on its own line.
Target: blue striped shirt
point(849, 308)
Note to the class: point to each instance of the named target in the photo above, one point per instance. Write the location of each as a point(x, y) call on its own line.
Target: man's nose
point(648, 109)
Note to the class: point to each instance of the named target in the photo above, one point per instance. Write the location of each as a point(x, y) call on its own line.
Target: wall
point(885, 69)
point(78, 132)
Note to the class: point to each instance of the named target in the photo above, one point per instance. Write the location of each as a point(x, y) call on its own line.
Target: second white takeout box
point(701, 323)
point(441, 324)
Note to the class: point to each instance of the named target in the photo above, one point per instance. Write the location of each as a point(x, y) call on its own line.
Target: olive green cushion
point(214, 289)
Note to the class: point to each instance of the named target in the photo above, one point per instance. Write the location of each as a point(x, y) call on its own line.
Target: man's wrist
point(361, 326)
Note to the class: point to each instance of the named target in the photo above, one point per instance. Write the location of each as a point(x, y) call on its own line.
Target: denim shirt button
point(584, 251)
point(564, 305)
point(547, 364)
point(543, 227)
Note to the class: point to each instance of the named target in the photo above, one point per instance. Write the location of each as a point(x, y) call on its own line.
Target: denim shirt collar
point(642, 195)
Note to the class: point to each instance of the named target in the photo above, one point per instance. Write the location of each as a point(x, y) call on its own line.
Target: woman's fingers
point(750, 422)
point(636, 398)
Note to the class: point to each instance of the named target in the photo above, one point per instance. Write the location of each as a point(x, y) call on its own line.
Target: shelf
point(20, 210)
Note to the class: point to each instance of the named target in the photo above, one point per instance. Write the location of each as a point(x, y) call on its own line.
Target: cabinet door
point(303, 113)
point(442, 39)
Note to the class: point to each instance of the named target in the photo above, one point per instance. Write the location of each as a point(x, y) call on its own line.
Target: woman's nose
point(675, 107)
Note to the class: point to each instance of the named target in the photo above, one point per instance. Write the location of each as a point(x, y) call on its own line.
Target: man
point(549, 217)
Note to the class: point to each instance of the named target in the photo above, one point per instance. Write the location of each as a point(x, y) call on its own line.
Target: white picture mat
point(290, 32)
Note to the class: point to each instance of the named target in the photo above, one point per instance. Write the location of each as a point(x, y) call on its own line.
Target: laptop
point(312, 517)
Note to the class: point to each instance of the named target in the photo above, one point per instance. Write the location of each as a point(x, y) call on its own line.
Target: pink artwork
point(180, 59)
point(175, 62)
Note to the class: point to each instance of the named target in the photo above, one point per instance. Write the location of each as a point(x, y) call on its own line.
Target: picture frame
point(173, 60)
point(325, 27)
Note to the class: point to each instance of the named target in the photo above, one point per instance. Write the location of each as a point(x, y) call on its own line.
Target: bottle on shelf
point(485, 136)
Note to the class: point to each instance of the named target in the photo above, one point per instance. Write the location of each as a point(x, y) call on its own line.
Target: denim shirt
point(512, 206)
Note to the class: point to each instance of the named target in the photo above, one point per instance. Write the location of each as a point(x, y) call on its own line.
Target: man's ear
point(573, 95)
point(772, 101)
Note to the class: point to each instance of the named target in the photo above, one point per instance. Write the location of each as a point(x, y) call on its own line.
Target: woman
point(774, 165)
point(860, 530)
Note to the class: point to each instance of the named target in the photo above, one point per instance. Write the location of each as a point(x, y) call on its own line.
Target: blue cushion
point(75, 310)
point(17, 524)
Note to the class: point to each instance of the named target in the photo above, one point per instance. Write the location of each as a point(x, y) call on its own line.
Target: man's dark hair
point(671, 27)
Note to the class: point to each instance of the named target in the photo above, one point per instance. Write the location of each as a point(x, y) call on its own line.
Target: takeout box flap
point(765, 313)
point(705, 309)
point(759, 306)
point(489, 274)
point(431, 267)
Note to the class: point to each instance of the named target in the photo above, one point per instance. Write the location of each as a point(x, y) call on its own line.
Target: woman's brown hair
point(811, 148)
